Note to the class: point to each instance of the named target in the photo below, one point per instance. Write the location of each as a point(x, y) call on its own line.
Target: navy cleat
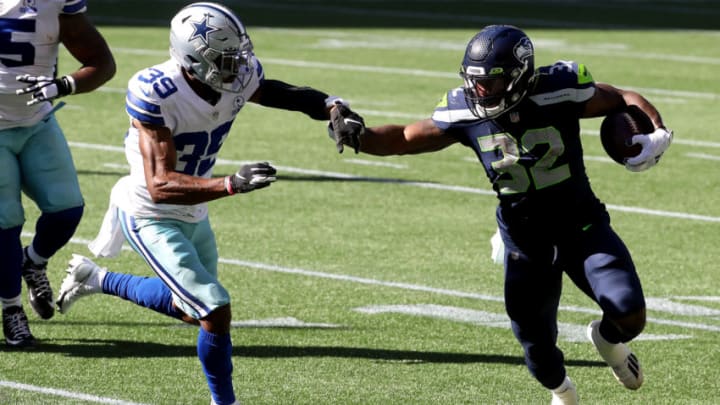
point(16, 328)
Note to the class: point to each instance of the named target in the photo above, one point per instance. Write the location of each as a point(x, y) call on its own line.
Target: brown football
point(617, 130)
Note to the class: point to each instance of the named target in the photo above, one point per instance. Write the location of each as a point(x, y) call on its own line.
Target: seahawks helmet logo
point(523, 50)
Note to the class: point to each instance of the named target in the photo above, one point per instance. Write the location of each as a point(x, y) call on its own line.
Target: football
point(617, 130)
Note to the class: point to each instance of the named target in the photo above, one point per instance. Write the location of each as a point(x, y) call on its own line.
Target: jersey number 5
point(16, 54)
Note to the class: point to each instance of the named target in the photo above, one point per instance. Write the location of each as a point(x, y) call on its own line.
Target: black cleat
point(16, 329)
point(39, 291)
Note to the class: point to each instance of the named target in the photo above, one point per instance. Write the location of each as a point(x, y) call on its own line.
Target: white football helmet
point(211, 43)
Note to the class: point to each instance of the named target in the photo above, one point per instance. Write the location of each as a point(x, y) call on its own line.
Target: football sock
point(566, 384)
point(215, 354)
point(149, 292)
point(34, 257)
point(613, 353)
point(54, 230)
point(11, 302)
point(10, 262)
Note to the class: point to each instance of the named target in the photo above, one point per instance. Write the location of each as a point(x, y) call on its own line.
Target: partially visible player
point(181, 112)
point(34, 154)
point(523, 125)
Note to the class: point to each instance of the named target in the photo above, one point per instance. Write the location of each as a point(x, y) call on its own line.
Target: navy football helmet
point(498, 65)
point(211, 43)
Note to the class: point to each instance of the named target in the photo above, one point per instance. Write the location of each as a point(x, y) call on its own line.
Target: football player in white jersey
point(180, 113)
point(34, 154)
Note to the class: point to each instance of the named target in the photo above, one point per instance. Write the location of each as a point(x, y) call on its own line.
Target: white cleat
point(625, 365)
point(565, 394)
point(84, 278)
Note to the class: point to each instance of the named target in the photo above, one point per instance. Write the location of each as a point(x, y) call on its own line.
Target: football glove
point(345, 127)
point(45, 88)
point(653, 147)
point(250, 177)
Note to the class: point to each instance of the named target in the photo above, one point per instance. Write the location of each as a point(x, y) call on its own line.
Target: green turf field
point(365, 280)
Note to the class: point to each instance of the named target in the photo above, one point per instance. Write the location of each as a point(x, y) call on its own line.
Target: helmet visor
point(232, 64)
point(485, 91)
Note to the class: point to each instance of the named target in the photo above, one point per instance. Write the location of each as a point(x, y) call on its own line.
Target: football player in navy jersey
point(181, 112)
point(34, 154)
point(522, 123)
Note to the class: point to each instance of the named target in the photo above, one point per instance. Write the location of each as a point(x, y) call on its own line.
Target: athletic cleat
point(625, 365)
point(82, 280)
point(39, 291)
point(16, 328)
point(568, 396)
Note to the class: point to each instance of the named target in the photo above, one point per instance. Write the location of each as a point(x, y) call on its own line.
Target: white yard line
point(63, 393)
point(420, 184)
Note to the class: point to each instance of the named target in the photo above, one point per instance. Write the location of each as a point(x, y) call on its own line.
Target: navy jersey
point(532, 154)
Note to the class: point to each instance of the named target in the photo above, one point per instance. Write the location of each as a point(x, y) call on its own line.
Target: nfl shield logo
point(514, 117)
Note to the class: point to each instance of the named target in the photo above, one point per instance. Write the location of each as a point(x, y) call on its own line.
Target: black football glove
point(250, 177)
point(346, 127)
point(46, 88)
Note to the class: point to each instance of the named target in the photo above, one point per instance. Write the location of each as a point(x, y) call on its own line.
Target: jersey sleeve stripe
point(143, 111)
point(74, 7)
point(576, 95)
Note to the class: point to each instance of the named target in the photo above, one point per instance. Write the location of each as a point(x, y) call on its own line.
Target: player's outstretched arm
point(346, 128)
point(168, 186)
point(312, 102)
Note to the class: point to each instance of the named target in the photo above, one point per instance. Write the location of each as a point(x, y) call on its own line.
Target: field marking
point(64, 393)
point(365, 162)
point(420, 184)
point(567, 332)
point(658, 304)
point(285, 322)
point(430, 73)
point(703, 156)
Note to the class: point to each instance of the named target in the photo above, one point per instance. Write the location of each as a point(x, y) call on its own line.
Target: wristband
point(228, 186)
point(332, 100)
point(70, 82)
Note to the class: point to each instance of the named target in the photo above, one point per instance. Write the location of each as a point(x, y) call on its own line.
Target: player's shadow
point(113, 348)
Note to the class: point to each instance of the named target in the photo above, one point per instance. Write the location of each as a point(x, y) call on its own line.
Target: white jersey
point(29, 39)
point(160, 95)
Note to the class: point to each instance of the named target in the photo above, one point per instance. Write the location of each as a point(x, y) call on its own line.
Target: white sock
point(11, 302)
point(96, 279)
point(34, 257)
point(613, 353)
point(566, 384)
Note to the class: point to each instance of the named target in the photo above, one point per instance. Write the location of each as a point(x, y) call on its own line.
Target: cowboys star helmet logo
point(201, 29)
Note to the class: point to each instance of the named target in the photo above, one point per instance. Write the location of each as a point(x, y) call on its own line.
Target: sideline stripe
point(65, 394)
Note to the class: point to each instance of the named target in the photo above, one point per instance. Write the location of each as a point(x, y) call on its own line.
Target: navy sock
point(215, 353)
point(149, 292)
point(10, 262)
point(53, 230)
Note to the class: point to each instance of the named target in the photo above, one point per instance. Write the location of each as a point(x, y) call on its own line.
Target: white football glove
point(653, 147)
point(46, 88)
